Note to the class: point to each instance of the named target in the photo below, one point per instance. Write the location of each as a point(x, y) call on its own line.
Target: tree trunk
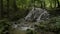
point(50, 4)
point(15, 6)
point(7, 8)
point(1, 8)
point(44, 4)
point(55, 4)
point(41, 4)
point(58, 3)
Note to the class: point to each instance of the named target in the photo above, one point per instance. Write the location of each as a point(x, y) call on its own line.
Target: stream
point(34, 16)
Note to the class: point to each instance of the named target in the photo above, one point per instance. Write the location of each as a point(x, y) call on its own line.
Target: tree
point(15, 6)
point(7, 8)
point(58, 3)
point(2, 8)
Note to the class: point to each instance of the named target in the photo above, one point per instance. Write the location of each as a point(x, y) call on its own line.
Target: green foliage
point(30, 31)
point(4, 25)
point(51, 25)
point(19, 8)
point(37, 3)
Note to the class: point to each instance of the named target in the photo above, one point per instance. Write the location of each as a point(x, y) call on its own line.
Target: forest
point(12, 12)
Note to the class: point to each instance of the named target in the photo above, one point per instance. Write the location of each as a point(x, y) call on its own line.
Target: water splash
point(37, 14)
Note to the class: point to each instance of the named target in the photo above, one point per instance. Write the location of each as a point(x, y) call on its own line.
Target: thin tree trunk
point(55, 4)
point(2, 8)
point(50, 4)
point(41, 4)
point(44, 4)
point(7, 8)
point(58, 3)
point(15, 6)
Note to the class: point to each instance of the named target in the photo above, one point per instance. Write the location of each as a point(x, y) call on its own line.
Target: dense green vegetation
point(13, 10)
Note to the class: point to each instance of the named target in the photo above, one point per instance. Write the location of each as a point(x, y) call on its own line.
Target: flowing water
point(33, 18)
point(35, 15)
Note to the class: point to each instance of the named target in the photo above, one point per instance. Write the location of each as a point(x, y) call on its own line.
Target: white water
point(37, 14)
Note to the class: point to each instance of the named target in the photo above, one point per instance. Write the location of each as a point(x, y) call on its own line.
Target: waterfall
point(37, 14)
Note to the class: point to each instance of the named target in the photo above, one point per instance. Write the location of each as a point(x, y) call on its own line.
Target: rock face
point(37, 14)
